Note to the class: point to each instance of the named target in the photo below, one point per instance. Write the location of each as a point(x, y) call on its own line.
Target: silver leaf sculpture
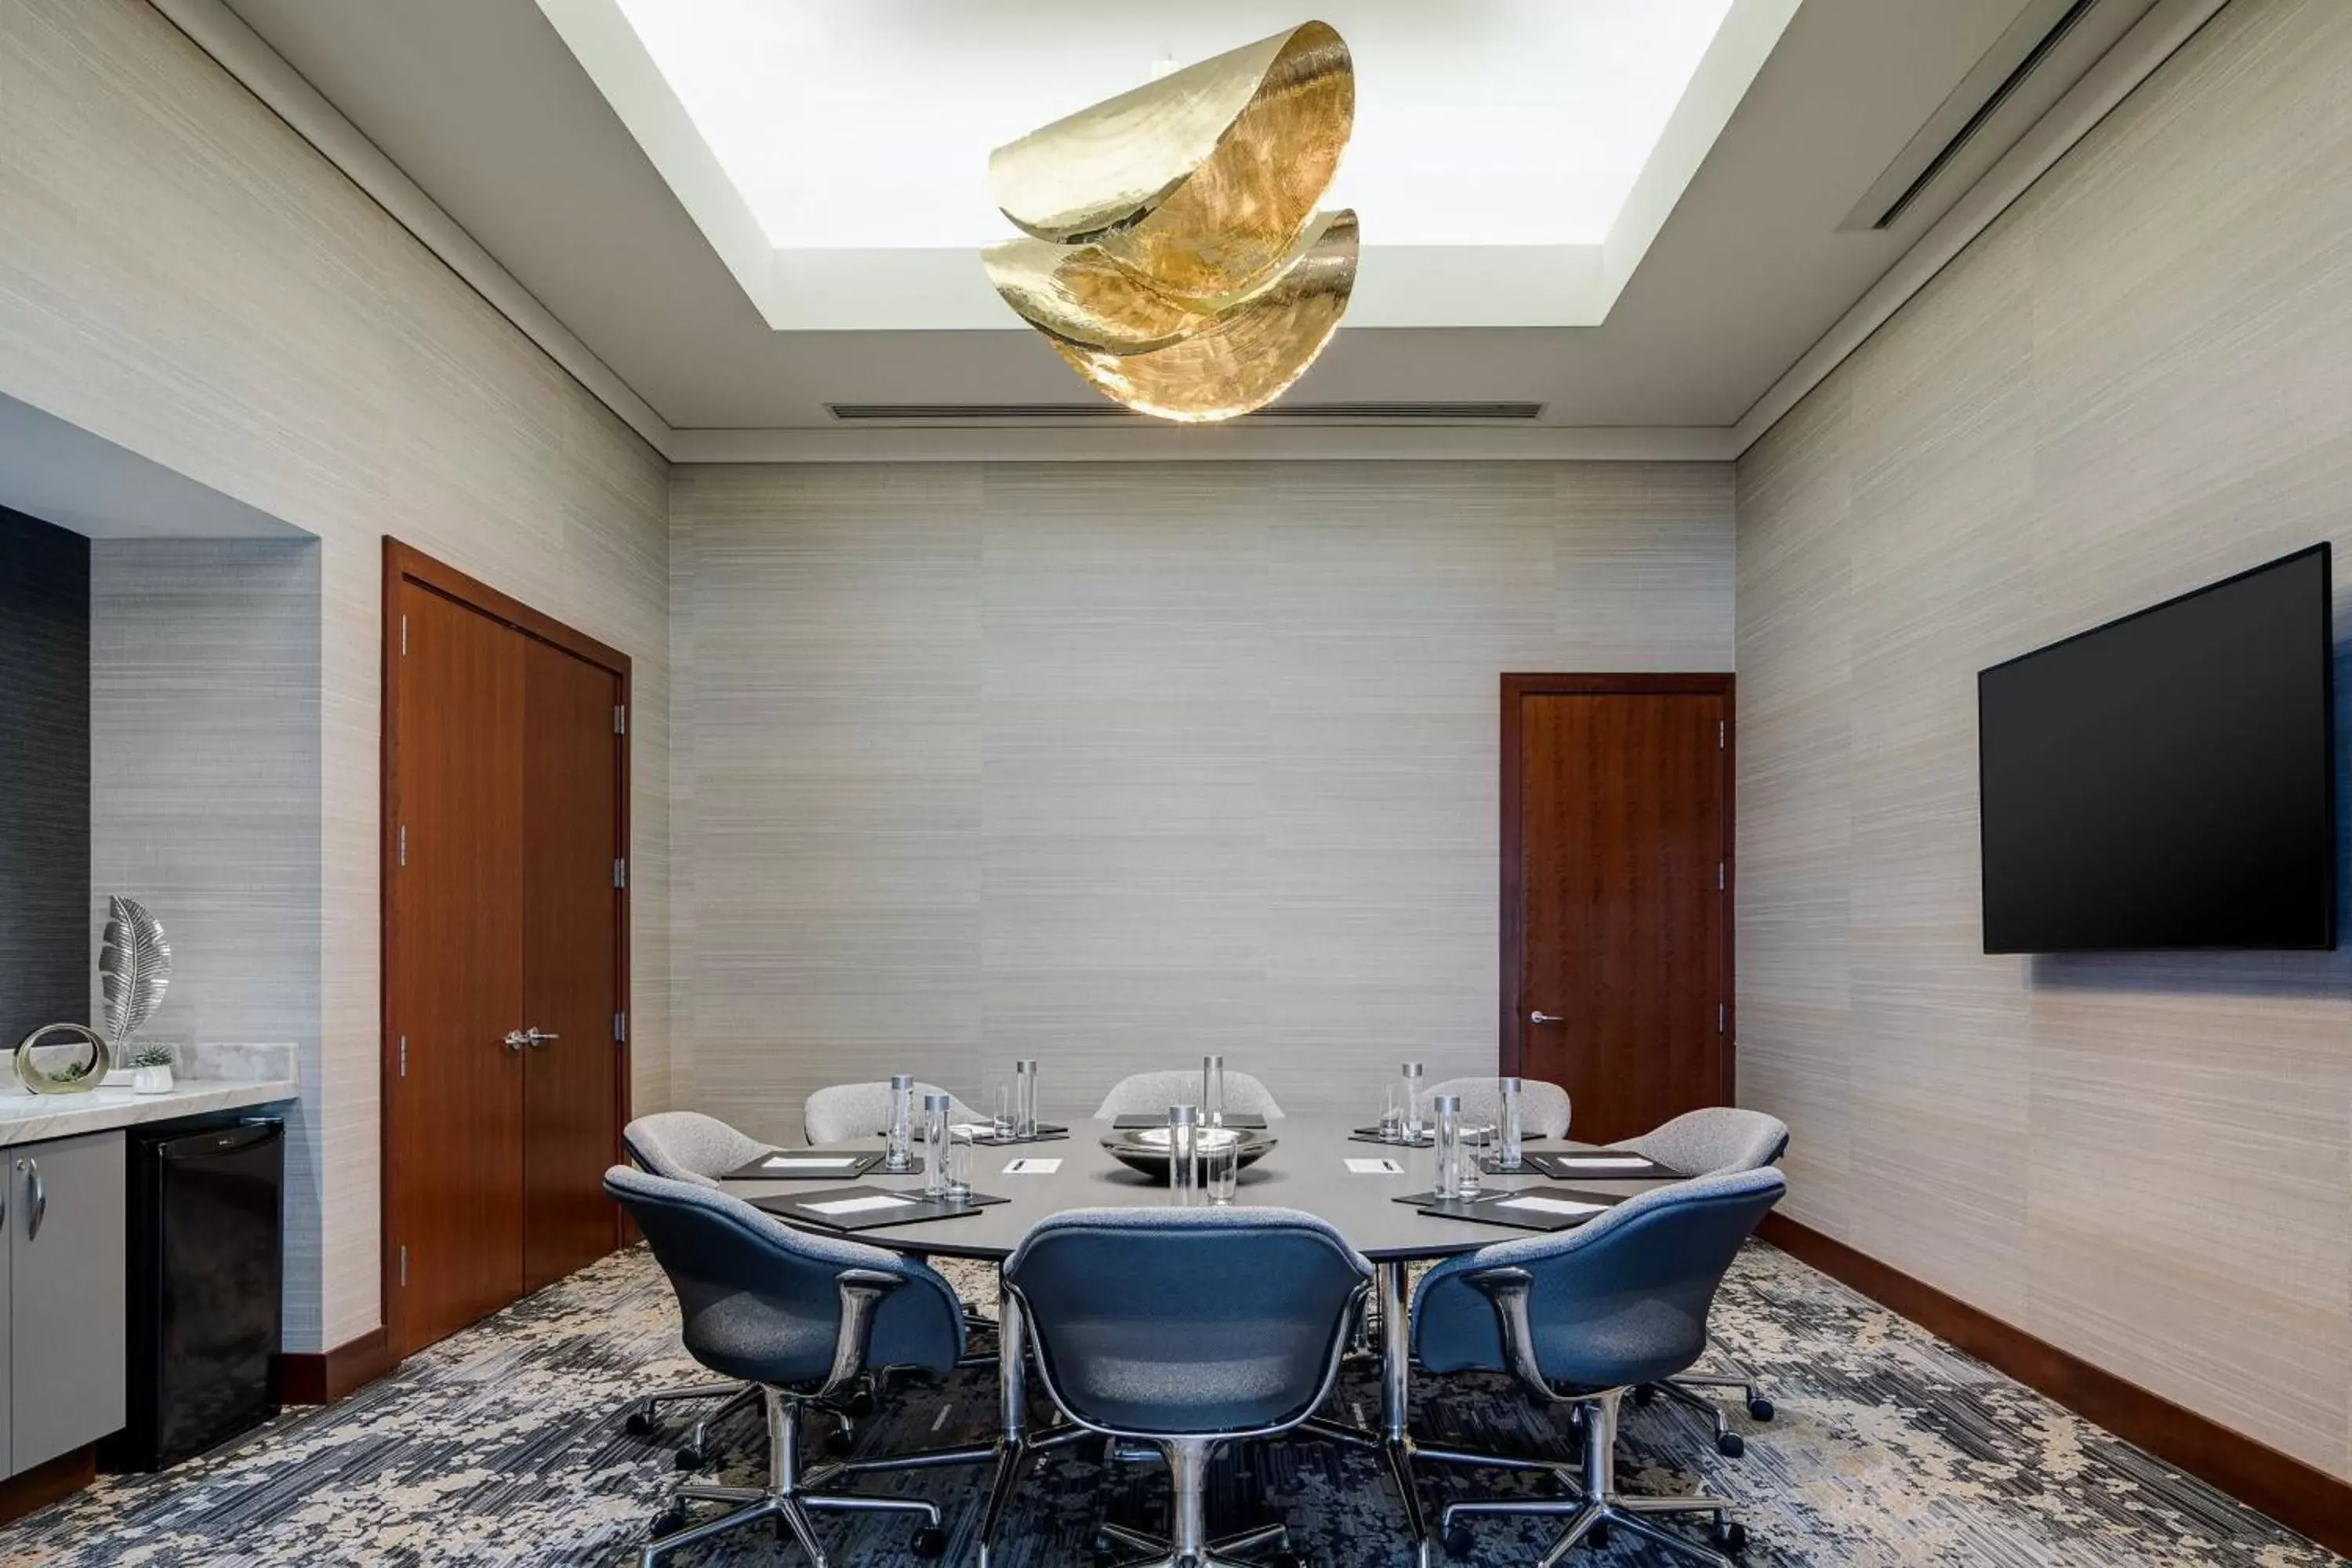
point(134, 967)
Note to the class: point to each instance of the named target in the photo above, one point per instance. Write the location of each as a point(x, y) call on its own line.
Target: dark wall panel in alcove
point(43, 776)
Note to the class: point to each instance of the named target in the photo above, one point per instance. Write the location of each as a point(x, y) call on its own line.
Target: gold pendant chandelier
point(1177, 258)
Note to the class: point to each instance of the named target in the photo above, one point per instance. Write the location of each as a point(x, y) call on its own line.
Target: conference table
point(1306, 1170)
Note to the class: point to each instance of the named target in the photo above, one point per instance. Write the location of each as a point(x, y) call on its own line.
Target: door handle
point(1541, 1018)
point(40, 1197)
point(537, 1038)
point(516, 1040)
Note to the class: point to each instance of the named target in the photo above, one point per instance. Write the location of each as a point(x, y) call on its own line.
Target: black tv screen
point(2168, 780)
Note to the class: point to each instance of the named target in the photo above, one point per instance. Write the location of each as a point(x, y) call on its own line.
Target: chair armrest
point(862, 1292)
point(1507, 1289)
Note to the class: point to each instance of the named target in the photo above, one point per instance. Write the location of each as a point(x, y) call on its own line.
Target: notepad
point(1374, 1168)
point(859, 1205)
point(1033, 1167)
point(1549, 1206)
point(1603, 1161)
point(808, 1161)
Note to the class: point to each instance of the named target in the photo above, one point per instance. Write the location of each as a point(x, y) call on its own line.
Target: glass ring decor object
point(1177, 255)
point(77, 1077)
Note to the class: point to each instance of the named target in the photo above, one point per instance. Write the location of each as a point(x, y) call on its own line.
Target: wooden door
point(1617, 894)
point(454, 1151)
point(506, 1062)
point(571, 961)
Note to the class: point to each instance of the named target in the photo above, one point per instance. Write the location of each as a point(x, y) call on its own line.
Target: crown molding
point(1241, 441)
point(2153, 40)
point(213, 28)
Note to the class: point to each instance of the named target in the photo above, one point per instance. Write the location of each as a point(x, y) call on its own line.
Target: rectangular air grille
point(1097, 412)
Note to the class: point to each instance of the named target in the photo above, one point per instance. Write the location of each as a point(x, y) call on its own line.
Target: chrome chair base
point(1685, 1389)
point(1188, 1465)
point(786, 1499)
point(1593, 1500)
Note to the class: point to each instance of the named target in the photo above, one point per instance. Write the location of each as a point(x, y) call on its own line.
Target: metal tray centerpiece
point(1145, 1149)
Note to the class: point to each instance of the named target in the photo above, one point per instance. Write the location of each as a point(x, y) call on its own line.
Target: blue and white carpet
point(502, 1446)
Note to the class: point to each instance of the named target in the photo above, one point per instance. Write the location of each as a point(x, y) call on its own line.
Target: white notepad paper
point(808, 1161)
point(1604, 1162)
point(1550, 1205)
point(1033, 1167)
point(859, 1206)
point(1374, 1168)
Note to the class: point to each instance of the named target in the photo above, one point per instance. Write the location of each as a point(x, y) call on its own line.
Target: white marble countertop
point(29, 1118)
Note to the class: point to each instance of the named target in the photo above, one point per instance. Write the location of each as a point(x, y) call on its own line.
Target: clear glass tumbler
point(935, 1145)
point(1221, 1163)
point(1393, 1114)
point(1508, 1153)
point(959, 1161)
point(1476, 1138)
point(1001, 1126)
point(898, 1154)
point(1213, 1092)
point(1445, 1109)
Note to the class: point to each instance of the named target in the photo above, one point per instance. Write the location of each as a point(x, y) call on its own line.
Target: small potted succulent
point(151, 1069)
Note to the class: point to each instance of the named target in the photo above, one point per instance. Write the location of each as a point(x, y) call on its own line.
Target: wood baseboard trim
point(2297, 1495)
point(47, 1483)
point(321, 1377)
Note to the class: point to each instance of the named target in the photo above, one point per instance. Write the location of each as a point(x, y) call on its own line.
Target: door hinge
point(403, 844)
point(404, 637)
point(1718, 1017)
point(1718, 875)
point(621, 873)
point(620, 1028)
point(404, 1056)
point(403, 1268)
point(620, 718)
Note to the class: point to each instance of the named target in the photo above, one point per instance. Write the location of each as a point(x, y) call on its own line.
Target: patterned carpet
point(501, 1447)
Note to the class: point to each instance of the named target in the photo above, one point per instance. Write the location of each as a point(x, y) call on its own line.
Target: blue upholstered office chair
point(688, 1146)
point(1186, 1328)
point(1583, 1317)
point(1715, 1141)
point(1151, 1093)
point(801, 1317)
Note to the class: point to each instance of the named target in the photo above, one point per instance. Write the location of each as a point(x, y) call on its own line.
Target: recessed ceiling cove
point(1520, 155)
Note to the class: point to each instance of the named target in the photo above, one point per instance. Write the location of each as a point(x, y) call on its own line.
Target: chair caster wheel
point(639, 1425)
point(837, 1442)
point(1731, 1537)
point(1598, 1536)
point(1458, 1542)
point(669, 1521)
point(860, 1404)
point(1730, 1445)
point(929, 1542)
point(1760, 1408)
point(691, 1457)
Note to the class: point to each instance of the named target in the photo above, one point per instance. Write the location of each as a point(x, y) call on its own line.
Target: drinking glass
point(1392, 1115)
point(1409, 1085)
point(1446, 1110)
point(1001, 1127)
point(1213, 1092)
point(1183, 1152)
point(1508, 1152)
point(1221, 1161)
point(899, 1154)
point(959, 1163)
point(1476, 1137)
point(1025, 1106)
point(935, 1145)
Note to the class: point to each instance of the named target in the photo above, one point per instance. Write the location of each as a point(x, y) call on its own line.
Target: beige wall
point(2138, 381)
point(1112, 765)
point(183, 275)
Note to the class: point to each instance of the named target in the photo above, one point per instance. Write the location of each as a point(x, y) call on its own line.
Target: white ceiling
point(484, 106)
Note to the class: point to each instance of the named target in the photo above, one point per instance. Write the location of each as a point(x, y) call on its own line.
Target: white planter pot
point(151, 1081)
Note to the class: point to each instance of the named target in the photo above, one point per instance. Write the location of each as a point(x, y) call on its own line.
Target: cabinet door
point(67, 1327)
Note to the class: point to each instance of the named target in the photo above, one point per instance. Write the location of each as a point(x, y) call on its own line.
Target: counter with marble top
point(31, 1118)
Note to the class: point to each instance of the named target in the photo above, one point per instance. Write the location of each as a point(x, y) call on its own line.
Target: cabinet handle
point(40, 1197)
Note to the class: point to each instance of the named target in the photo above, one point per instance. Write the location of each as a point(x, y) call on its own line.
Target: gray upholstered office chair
point(1186, 1328)
point(841, 1112)
point(1543, 1107)
point(801, 1317)
point(1582, 1317)
point(1713, 1141)
point(688, 1146)
point(1151, 1093)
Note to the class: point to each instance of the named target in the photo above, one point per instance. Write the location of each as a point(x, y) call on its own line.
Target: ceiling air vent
point(1100, 412)
point(2045, 51)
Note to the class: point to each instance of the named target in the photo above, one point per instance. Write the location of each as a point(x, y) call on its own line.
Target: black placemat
point(1372, 1135)
point(1248, 1121)
point(1490, 1208)
point(1566, 1166)
point(812, 1165)
point(911, 1208)
point(1046, 1133)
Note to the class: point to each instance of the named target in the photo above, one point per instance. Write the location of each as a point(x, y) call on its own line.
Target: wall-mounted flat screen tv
point(2168, 780)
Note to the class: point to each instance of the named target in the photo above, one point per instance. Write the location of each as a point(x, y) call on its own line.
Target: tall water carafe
point(1414, 1124)
point(899, 1154)
point(1508, 1132)
point(1024, 1097)
point(1213, 1091)
point(1446, 1110)
point(1183, 1152)
point(935, 1145)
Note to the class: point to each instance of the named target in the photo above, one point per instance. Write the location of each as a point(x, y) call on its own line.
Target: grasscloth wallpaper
point(1113, 765)
point(2138, 381)
point(182, 274)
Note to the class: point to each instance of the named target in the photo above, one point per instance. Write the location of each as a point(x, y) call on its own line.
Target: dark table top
point(1306, 1170)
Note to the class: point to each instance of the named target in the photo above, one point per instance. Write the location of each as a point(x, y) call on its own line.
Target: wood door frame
point(405, 563)
point(1510, 1038)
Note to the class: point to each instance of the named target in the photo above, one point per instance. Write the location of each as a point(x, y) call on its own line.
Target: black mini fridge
point(206, 1278)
